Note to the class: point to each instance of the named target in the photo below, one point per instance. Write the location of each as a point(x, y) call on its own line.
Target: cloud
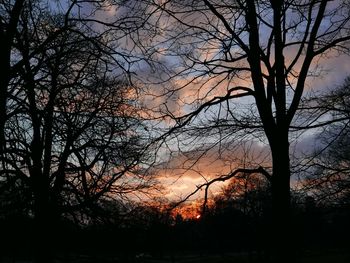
point(335, 68)
point(184, 171)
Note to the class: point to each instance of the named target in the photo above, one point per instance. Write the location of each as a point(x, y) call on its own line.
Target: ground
point(330, 256)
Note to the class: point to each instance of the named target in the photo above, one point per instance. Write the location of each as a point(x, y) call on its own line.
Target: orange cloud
point(183, 172)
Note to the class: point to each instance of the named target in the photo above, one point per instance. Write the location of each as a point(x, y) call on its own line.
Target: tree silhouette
point(10, 17)
point(243, 67)
point(71, 134)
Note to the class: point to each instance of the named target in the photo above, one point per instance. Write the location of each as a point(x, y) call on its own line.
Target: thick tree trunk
point(3, 91)
point(40, 187)
point(7, 35)
point(281, 243)
point(4, 81)
point(43, 229)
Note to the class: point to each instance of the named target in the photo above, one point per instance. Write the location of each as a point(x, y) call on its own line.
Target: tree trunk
point(281, 244)
point(43, 227)
point(7, 34)
point(40, 187)
point(4, 81)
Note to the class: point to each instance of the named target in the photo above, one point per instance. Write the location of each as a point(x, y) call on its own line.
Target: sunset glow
point(186, 131)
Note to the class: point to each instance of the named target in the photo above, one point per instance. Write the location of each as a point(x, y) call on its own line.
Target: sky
point(184, 164)
point(331, 70)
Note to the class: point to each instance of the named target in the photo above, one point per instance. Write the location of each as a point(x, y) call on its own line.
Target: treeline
point(239, 225)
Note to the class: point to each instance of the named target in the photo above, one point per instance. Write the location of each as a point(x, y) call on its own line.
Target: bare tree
point(71, 111)
point(240, 68)
point(72, 134)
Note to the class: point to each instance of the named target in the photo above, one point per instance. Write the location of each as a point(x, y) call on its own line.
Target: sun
point(198, 216)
